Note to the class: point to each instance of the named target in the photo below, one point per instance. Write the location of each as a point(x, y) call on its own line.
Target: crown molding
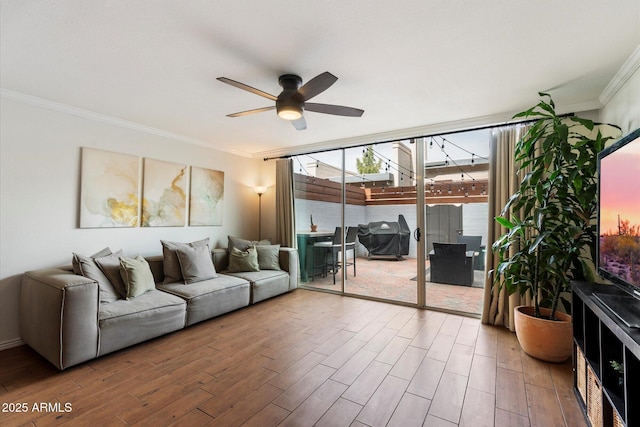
point(103, 118)
point(631, 65)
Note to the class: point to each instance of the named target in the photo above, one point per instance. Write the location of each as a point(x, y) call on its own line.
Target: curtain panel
point(285, 205)
point(503, 183)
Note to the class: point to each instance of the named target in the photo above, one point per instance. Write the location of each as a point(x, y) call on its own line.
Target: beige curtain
point(503, 182)
point(285, 209)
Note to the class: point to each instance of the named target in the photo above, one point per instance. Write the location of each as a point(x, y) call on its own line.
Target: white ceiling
point(411, 65)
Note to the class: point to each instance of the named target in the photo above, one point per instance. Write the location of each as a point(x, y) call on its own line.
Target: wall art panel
point(164, 198)
point(207, 194)
point(110, 188)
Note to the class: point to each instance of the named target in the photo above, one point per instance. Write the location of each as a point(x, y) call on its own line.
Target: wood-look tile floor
point(302, 359)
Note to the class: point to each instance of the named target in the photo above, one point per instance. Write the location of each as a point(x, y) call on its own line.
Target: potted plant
point(550, 224)
point(314, 227)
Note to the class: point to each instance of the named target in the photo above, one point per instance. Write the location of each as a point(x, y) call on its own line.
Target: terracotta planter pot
point(548, 340)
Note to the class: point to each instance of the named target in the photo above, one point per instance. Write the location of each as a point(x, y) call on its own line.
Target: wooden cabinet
point(606, 360)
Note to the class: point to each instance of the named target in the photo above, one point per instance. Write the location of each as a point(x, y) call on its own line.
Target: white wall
point(40, 187)
point(475, 218)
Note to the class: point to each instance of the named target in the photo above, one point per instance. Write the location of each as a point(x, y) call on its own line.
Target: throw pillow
point(196, 263)
point(243, 260)
point(110, 266)
point(136, 275)
point(170, 262)
point(75, 263)
point(268, 257)
point(243, 244)
point(87, 267)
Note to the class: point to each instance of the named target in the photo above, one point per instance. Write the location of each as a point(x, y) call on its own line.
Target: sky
point(619, 187)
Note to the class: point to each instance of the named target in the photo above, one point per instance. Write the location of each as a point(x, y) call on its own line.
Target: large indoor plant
point(550, 220)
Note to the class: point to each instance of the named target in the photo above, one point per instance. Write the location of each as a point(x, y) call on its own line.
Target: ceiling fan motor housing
point(290, 102)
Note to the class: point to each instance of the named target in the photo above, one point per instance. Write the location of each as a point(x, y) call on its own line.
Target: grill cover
point(385, 237)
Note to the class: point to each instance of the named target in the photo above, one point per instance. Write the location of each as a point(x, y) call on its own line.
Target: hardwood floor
point(302, 359)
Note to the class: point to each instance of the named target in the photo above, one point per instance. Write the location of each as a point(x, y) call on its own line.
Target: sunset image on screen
point(620, 213)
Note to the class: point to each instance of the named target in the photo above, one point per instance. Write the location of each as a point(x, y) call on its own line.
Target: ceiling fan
point(292, 101)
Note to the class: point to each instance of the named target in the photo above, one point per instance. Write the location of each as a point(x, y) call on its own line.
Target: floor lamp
point(260, 190)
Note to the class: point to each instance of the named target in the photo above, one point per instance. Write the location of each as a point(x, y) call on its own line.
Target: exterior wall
point(475, 217)
point(327, 217)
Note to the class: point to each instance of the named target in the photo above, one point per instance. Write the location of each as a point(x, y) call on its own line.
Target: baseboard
point(10, 344)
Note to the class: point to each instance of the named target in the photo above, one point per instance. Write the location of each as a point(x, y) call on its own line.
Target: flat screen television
point(618, 247)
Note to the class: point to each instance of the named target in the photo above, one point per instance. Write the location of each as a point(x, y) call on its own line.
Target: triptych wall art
point(112, 194)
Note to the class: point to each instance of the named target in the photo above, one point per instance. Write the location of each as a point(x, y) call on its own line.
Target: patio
point(396, 280)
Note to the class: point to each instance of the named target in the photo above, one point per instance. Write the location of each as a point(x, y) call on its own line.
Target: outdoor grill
point(385, 238)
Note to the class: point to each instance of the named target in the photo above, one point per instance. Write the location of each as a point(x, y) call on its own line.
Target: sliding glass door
point(384, 214)
point(363, 203)
point(319, 197)
point(380, 211)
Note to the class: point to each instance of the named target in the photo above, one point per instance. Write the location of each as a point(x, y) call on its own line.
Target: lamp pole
point(260, 190)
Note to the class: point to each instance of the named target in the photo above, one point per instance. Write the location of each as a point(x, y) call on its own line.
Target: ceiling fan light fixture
point(290, 112)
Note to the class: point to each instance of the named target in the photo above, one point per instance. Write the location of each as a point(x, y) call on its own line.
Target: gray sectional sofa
point(64, 318)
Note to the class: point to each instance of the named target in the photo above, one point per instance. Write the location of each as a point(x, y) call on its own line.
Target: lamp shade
point(260, 189)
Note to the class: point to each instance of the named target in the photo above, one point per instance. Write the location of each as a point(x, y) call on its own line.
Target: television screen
point(619, 213)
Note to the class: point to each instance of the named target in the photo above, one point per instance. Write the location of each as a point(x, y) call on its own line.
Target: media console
point(606, 359)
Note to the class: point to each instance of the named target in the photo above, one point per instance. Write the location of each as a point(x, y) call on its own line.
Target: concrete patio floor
point(392, 279)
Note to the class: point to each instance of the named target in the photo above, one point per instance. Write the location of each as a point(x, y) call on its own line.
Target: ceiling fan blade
point(246, 113)
point(247, 88)
point(337, 110)
point(300, 124)
point(317, 85)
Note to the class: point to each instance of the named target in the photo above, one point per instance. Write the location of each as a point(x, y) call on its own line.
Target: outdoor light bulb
point(290, 112)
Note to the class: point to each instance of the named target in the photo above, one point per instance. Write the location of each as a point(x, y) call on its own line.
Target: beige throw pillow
point(136, 275)
point(170, 262)
point(110, 266)
point(86, 266)
point(243, 260)
point(196, 264)
point(268, 257)
point(243, 244)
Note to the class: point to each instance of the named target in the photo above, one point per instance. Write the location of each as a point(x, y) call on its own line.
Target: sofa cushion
point(86, 266)
point(127, 322)
point(268, 257)
point(211, 298)
point(246, 260)
point(136, 275)
point(110, 266)
point(196, 263)
point(265, 283)
point(172, 271)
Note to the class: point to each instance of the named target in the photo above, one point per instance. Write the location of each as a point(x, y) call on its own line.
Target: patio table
point(307, 239)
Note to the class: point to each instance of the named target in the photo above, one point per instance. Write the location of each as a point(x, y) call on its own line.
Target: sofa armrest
point(289, 263)
point(59, 316)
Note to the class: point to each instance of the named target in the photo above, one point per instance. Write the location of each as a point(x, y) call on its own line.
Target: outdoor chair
point(474, 243)
point(331, 249)
point(451, 263)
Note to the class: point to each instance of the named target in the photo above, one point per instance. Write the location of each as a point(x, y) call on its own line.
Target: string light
point(391, 165)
